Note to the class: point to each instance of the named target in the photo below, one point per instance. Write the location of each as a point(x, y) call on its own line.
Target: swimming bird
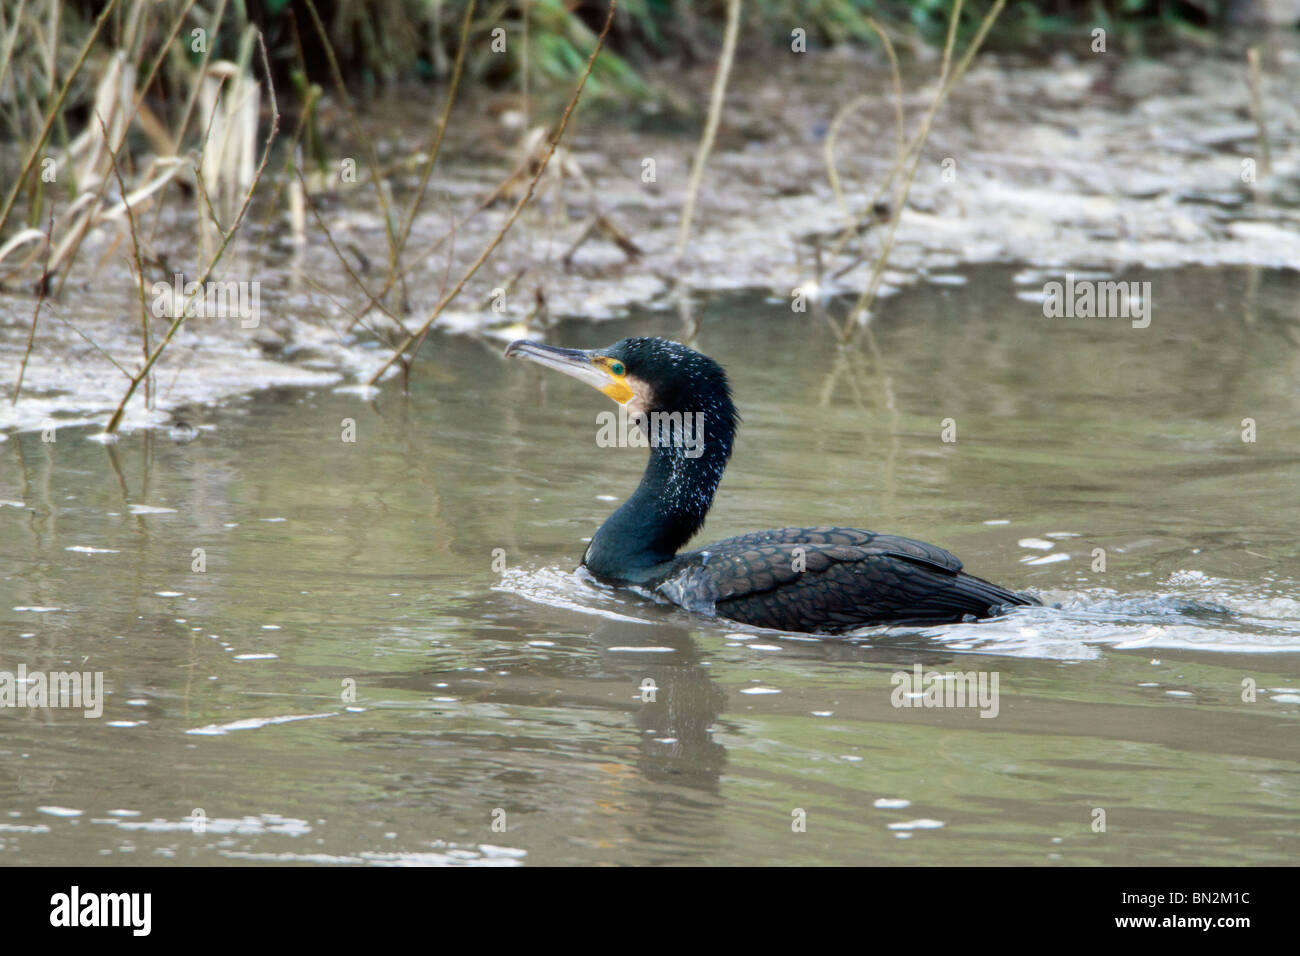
point(823, 580)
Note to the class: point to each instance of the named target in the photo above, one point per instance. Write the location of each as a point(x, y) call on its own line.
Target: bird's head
point(682, 403)
point(643, 374)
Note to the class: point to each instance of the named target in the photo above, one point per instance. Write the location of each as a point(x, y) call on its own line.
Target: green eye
point(617, 368)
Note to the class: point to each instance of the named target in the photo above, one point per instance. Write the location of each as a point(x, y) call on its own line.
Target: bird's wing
point(794, 559)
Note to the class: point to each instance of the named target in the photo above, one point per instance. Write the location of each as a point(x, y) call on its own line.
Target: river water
point(388, 658)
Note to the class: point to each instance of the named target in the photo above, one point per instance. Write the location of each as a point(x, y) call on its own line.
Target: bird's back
point(829, 580)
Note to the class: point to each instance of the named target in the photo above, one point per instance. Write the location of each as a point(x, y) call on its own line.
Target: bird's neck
point(666, 509)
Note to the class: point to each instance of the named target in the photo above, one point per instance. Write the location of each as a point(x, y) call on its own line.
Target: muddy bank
point(1094, 162)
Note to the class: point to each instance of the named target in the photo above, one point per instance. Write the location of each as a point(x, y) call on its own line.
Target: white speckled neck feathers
point(677, 488)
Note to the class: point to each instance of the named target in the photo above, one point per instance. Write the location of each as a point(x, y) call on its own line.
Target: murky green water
point(479, 691)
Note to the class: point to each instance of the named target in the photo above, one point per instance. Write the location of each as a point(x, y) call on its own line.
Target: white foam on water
point(243, 826)
point(921, 824)
point(569, 591)
point(1199, 614)
point(1188, 611)
point(151, 510)
point(1046, 559)
point(1038, 544)
point(254, 723)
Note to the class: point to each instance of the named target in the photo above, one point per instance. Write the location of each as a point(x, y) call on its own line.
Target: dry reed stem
point(357, 133)
point(1255, 82)
point(711, 124)
point(900, 132)
point(135, 244)
point(339, 253)
point(946, 82)
point(435, 147)
point(68, 251)
point(179, 319)
point(214, 25)
point(36, 314)
point(868, 295)
point(918, 140)
point(519, 207)
point(55, 108)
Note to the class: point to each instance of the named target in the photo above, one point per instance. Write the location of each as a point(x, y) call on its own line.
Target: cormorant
point(825, 579)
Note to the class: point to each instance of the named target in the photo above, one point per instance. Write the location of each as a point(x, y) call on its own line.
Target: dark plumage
point(826, 580)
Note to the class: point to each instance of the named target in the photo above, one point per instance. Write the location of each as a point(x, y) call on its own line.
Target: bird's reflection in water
point(674, 699)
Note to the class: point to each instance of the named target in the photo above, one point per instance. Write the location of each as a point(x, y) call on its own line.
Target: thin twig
point(710, 125)
point(434, 246)
point(1255, 82)
point(339, 253)
point(214, 24)
point(832, 170)
point(918, 140)
point(399, 273)
point(514, 214)
point(139, 101)
point(179, 319)
point(94, 345)
point(135, 243)
point(51, 113)
point(358, 135)
point(36, 312)
point(896, 213)
point(946, 81)
point(436, 145)
point(446, 277)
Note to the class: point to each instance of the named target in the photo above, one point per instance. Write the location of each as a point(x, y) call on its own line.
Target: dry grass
point(115, 176)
